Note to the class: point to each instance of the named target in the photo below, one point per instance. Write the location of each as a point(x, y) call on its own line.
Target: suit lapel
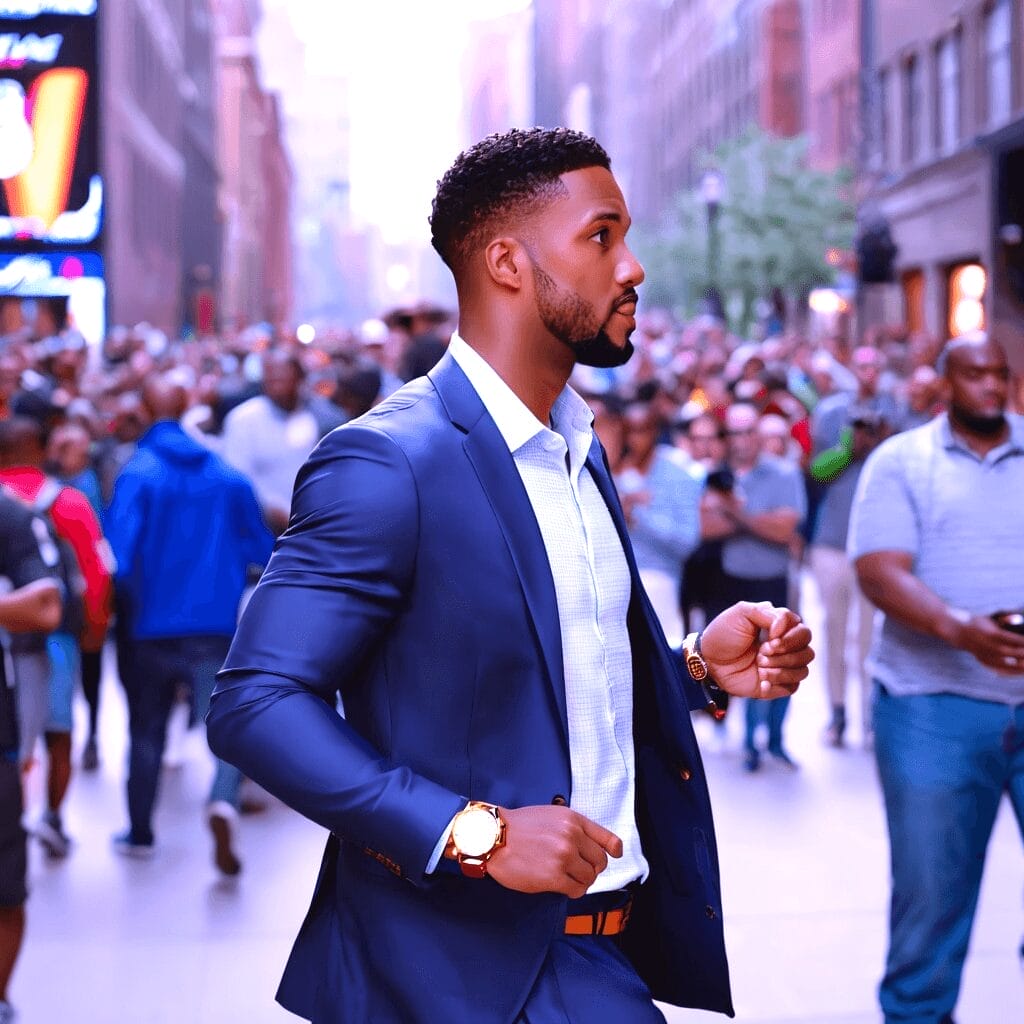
point(496, 470)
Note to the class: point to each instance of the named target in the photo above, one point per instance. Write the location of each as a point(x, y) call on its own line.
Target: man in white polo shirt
point(938, 545)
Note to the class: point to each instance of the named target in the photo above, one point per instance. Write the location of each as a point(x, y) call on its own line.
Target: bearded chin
point(983, 426)
point(601, 352)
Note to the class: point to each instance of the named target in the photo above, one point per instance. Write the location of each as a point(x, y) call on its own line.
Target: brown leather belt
point(603, 922)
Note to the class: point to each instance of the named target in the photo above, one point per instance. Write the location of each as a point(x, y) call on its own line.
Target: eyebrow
point(612, 215)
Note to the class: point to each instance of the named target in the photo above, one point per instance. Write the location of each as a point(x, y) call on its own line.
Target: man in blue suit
point(520, 826)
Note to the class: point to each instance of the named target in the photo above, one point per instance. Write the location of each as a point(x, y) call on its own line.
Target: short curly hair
point(512, 172)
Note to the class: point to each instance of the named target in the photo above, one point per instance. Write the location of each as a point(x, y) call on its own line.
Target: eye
point(602, 235)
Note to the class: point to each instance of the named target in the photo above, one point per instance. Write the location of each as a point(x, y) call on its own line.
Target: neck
point(529, 365)
point(979, 443)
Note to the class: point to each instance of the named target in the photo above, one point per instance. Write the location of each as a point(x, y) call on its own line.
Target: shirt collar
point(1014, 444)
point(516, 424)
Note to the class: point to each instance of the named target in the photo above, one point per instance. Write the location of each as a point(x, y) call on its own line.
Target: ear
point(506, 261)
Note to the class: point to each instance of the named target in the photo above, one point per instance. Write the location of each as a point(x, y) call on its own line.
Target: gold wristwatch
point(477, 832)
point(695, 663)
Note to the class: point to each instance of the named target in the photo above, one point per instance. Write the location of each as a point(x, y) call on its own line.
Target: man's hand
point(551, 849)
point(757, 650)
point(997, 648)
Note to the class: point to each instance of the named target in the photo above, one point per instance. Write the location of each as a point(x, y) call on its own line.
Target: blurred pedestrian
point(69, 456)
point(938, 546)
point(267, 438)
point(661, 502)
point(33, 605)
point(845, 608)
point(757, 519)
point(185, 528)
point(22, 456)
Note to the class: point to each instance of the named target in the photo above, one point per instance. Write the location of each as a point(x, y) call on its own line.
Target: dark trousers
point(152, 673)
point(586, 979)
point(91, 674)
point(758, 712)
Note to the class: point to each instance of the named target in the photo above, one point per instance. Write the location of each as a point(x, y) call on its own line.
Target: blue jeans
point(771, 712)
point(944, 763)
point(152, 671)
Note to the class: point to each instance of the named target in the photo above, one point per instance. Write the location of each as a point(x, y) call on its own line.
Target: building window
point(966, 307)
point(884, 121)
point(913, 299)
point(947, 114)
point(998, 33)
point(913, 110)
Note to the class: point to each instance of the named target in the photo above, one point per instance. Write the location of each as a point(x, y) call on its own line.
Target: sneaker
point(50, 833)
point(90, 756)
point(8, 1014)
point(783, 759)
point(221, 817)
point(752, 761)
point(128, 846)
point(836, 728)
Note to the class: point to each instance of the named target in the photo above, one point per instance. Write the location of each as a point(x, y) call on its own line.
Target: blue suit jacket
point(413, 580)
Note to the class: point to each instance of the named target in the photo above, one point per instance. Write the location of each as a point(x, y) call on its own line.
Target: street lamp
point(712, 191)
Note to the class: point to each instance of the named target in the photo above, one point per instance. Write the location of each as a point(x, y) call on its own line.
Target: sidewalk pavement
point(804, 867)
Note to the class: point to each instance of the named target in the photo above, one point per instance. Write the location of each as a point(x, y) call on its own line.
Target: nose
point(629, 272)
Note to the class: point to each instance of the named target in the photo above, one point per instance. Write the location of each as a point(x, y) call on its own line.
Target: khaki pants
point(842, 600)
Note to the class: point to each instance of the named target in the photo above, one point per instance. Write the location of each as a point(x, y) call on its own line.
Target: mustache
point(626, 298)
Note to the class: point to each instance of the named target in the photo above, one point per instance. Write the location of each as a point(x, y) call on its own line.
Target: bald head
point(976, 380)
point(164, 398)
point(966, 348)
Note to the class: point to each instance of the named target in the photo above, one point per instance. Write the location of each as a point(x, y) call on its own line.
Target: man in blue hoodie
point(184, 528)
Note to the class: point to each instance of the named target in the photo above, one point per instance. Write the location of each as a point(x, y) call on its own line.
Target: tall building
point(833, 103)
point(661, 81)
point(947, 167)
point(256, 178)
point(143, 115)
point(496, 70)
point(200, 234)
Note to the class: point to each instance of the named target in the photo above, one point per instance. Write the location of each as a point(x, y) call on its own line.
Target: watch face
point(696, 667)
point(475, 832)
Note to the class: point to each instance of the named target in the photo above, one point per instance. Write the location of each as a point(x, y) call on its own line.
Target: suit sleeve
point(331, 590)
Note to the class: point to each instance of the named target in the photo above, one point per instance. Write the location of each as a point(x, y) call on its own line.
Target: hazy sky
point(403, 59)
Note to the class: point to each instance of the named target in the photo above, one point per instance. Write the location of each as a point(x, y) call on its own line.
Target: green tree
point(776, 223)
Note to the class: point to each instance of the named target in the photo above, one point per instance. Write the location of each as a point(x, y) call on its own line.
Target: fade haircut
point(509, 174)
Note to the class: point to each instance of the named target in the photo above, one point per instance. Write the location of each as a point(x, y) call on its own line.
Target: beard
point(983, 426)
point(575, 323)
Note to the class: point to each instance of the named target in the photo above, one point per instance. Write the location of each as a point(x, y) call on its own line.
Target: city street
point(804, 860)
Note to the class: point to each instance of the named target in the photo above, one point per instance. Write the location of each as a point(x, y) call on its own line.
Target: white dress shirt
point(592, 588)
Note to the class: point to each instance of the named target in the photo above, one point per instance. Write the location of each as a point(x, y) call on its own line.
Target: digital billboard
point(27, 279)
point(52, 190)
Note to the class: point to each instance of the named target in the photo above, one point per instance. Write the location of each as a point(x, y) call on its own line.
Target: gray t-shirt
point(772, 484)
point(832, 524)
point(962, 518)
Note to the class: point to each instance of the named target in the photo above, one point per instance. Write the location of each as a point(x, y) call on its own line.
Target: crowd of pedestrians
point(152, 477)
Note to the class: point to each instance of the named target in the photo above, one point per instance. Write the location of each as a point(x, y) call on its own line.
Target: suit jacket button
point(559, 801)
point(710, 912)
point(685, 774)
